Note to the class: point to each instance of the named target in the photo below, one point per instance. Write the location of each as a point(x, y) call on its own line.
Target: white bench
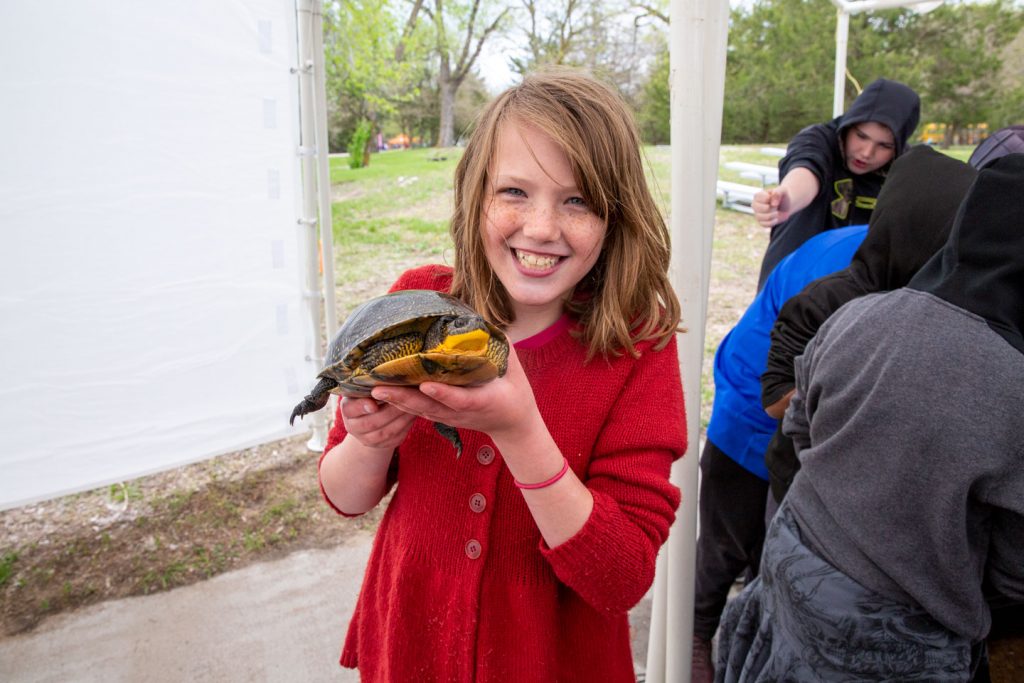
point(766, 174)
point(736, 196)
point(774, 151)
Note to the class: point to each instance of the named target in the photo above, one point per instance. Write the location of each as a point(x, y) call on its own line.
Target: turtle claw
point(452, 435)
point(316, 399)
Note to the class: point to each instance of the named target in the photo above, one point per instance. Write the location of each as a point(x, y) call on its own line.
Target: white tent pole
point(308, 220)
point(842, 36)
point(699, 31)
point(844, 8)
point(323, 169)
point(323, 184)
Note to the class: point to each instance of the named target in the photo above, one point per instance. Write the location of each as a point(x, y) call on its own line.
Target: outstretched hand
point(771, 207)
point(497, 408)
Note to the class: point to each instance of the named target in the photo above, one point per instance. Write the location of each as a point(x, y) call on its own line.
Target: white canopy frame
point(316, 194)
point(844, 8)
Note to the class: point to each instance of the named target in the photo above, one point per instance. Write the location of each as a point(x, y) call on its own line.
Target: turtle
point(405, 338)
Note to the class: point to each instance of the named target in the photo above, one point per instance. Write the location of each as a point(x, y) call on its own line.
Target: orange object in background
point(400, 140)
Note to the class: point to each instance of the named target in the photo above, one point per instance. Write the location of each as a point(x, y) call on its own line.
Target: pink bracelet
point(546, 482)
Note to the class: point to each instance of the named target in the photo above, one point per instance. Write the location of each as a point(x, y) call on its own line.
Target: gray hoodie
point(909, 422)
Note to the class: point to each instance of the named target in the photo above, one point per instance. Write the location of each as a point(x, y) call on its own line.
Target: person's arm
point(778, 409)
point(793, 194)
point(354, 473)
point(505, 409)
point(797, 323)
point(796, 423)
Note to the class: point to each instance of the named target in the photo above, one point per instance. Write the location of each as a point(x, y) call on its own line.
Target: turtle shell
point(383, 342)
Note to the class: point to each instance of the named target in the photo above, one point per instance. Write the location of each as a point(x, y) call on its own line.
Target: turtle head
point(464, 334)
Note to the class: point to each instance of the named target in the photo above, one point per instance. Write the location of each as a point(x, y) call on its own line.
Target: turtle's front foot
point(452, 434)
point(316, 399)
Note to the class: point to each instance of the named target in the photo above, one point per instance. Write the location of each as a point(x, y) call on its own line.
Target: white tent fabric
point(150, 274)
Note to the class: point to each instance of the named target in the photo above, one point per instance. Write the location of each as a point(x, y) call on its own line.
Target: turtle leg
point(316, 399)
point(452, 434)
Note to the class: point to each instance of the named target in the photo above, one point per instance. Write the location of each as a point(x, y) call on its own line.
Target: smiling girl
point(520, 561)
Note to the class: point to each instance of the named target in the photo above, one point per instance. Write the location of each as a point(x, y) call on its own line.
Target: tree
point(458, 40)
point(782, 54)
point(365, 81)
point(653, 116)
point(1009, 108)
point(551, 34)
point(616, 40)
point(777, 55)
point(964, 47)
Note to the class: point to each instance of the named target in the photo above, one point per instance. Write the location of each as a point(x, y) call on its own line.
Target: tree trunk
point(446, 131)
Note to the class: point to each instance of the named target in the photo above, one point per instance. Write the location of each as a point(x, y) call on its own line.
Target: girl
point(520, 561)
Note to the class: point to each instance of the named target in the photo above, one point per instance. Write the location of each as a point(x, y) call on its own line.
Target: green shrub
point(359, 145)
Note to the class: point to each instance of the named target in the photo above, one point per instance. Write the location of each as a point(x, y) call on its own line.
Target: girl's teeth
point(536, 262)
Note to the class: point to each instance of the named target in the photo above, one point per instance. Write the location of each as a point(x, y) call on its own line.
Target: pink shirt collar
point(544, 336)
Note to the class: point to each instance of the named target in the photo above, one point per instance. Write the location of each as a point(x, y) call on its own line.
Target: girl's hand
point(376, 425)
point(498, 408)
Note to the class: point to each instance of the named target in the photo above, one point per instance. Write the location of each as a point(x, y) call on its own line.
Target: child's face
point(869, 147)
point(539, 235)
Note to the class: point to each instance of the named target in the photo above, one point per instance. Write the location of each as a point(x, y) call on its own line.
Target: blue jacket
point(739, 426)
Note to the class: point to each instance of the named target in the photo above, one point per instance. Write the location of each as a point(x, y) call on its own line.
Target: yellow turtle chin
point(471, 342)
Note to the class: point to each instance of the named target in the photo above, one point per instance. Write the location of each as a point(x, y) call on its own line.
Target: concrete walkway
point(275, 621)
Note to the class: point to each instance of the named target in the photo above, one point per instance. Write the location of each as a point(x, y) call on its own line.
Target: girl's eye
point(578, 201)
point(512, 191)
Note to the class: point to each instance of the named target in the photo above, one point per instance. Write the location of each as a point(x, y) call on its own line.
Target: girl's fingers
point(358, 407)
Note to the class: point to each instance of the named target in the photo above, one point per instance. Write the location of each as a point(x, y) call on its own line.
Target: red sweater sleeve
point(610, 562)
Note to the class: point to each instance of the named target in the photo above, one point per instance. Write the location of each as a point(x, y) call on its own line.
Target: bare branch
point(410, 26)
point(652, 11)
point(464, 68)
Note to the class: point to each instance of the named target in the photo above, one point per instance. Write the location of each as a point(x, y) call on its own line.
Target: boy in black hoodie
point(832, 172)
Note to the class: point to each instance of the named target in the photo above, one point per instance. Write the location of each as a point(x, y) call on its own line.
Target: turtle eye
point(437, 331)
point(464, 323)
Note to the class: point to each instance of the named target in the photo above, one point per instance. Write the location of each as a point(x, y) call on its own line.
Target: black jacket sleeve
point(797, 323)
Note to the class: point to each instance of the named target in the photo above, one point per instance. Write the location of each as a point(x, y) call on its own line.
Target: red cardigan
point(461, 587)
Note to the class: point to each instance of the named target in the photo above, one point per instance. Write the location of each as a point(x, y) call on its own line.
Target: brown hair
point(627, 297)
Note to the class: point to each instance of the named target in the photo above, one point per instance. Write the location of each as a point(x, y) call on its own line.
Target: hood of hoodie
point(910, 223)
point(912, 219)
point(981, 266)
point(1009, 140)
point(889, 103)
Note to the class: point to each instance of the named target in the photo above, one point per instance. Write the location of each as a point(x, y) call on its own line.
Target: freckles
point(577, 224)
point(500, 216)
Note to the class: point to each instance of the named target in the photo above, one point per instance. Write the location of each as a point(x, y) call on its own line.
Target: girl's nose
point(541, 224)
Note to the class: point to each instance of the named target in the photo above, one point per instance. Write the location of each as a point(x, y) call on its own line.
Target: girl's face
point(539, 235)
